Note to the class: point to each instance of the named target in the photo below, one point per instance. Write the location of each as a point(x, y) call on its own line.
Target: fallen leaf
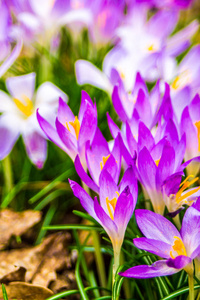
point(41, 262)
point(26, 291)
point(16, 223)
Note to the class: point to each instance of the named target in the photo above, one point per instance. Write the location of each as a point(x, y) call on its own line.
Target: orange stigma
point(197, 124)
point(111, 203)
point(185, 184)
point(76, 125)
point(178, 247)
point(26, 108)
point(104, 160)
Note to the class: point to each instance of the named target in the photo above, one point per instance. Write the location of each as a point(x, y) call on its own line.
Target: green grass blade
point(5, 296)
point(180, 292)
point(72, 226)
point(63, 294)
point(51, 186)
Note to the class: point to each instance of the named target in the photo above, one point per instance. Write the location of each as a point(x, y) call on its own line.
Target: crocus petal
point(147, 168)
point(143, 108)
point(36, 147)
point(84, 176)
point(85, 199)
point(8, 135)
point(6, 104)
point(48, 94)
point(156, 247)
point(85, 99)
point(114, 129)
point(179, 262)
point(159, 268)
point(11, 58)
point(118, 106)
point(64, 112)
point(67, 138)
point(177, 43)
point(87, 73)
point(124, 210)
point(190, 231)
point(107, 223)
point(88, 125)
point(155, 226)
point(129, 179)
point(145, 138)
point(20, 86)
point(166, 164)
point(50, 132)
point(108, 188)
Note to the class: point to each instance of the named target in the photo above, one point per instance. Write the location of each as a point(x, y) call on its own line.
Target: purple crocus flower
point(116, 206)
point(70, 132)
point(19, 115)
point(163, 239)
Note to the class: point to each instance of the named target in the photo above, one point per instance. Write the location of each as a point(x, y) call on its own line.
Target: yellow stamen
point(176, 83)
point(185, 184)
point(197, 124)
point(104, 160)
point(122, 75)
point(178, 247)
point(157, 162)
point(151, 47)
point(113, 203)
point(181, 80)
point(27, 108)
point(76, 125)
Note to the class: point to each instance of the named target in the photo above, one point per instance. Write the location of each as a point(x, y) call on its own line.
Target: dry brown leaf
point(41, 262)
point(18, 274)
point(26, 291)
point(16, 223)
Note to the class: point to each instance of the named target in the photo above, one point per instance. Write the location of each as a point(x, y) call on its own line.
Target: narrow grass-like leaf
point(51, 186)
point(63, 294)
point(49, 198)
point(5, 296)
point(179, 292)
point(47, 220)
point(85, 216)
point(72, 226)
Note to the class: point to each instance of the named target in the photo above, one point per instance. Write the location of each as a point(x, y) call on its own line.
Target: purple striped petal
point(64, 112)
point(124, 210)
point(84, 176)
point(114, 129)
point(36, 147)
point(147, 168)
point(108, 188)
point(88, 125)
point(159, 248)
point(118, 106)
point(67, 138)
point(85, 199)
point(190, 231)
point(85, 100)
point(145, 138)
point(155, 226)
point(159, 268)
point(106, 222)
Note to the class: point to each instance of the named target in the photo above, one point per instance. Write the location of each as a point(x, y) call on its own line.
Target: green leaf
point(179, 292)
point(5, 296)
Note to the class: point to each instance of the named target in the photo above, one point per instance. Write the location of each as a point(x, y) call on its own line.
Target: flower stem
point(98, 255)
point(8, 176)
point(115, 267)
point(191, 286)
